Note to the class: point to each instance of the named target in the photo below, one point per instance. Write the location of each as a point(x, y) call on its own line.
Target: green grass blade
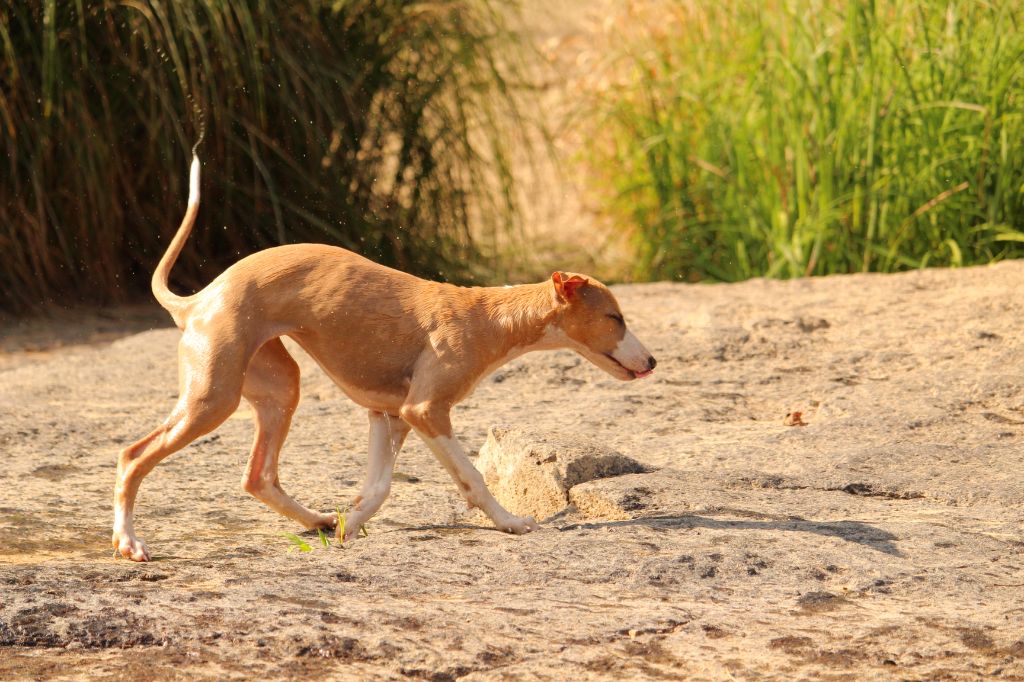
point(297, 543)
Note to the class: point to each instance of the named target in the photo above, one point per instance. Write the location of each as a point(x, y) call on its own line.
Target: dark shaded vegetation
point(373, 125)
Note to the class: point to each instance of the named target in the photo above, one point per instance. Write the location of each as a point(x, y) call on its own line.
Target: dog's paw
point(354, 526)
point(324, 522)
point(130, 547)
point(353, 534)
point(519, 525)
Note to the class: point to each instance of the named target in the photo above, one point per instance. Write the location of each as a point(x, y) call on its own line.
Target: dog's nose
point(651, 362)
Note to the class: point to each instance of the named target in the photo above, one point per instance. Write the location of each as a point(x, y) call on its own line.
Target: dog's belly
point(372, 380)
point(381, 402)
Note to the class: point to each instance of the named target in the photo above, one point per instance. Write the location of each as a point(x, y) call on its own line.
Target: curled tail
point(171, 302)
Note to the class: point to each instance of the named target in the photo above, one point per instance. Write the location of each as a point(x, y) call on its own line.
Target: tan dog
point(404, 348)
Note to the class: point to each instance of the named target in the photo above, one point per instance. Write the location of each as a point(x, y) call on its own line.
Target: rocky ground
point(882, 539)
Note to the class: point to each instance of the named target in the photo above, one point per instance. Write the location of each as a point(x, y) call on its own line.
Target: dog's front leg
point(433, 424)
point(387, 434)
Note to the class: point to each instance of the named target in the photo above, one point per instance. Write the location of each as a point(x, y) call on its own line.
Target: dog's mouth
point(632, 374)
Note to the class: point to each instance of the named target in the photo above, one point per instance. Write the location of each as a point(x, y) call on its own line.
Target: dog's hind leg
point(272, 388)
point(210, 392)
point(387, 434)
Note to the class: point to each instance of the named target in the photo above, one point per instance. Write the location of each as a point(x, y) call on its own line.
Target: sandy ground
point(884, 539)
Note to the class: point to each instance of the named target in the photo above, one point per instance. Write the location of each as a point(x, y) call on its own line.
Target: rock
point(627, 497)
point(532, 474)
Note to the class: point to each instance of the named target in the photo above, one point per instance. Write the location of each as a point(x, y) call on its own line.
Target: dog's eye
point(617, 318)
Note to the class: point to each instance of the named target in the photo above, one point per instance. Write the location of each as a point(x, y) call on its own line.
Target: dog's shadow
point(848, 531)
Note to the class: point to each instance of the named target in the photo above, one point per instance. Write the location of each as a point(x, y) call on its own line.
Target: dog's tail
point(171, 302)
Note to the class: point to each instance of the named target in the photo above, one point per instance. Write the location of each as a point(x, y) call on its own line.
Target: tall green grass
point(378, 125)
point(798, 137)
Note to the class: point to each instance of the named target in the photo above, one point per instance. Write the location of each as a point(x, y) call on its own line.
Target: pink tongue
point(645, 373)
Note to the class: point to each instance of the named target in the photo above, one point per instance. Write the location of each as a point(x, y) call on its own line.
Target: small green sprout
point(303, 546)
point(341, 527)
point(342, 524)
point(323, 537)
point(297, 543)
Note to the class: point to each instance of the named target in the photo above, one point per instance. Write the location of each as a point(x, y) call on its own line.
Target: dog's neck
point(522, 315)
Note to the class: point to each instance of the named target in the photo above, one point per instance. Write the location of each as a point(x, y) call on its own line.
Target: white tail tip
point(193, 183)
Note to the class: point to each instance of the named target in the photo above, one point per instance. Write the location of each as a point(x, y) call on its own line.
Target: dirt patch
point(814, 602)
point(56, 624)
point(882, 539)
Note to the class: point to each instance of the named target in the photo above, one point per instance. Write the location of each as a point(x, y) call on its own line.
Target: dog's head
point(590, 318)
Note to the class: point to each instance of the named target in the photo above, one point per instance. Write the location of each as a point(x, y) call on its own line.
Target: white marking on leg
point(471, 484)
point(386, 437)
point(121, 523)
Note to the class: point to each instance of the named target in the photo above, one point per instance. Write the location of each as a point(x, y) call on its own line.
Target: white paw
point(518, 525)
point(354, 527)
point(324, 522)
point(351, 536)
point(130, 547)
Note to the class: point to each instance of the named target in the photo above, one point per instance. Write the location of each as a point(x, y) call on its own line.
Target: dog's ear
point(567, 285)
